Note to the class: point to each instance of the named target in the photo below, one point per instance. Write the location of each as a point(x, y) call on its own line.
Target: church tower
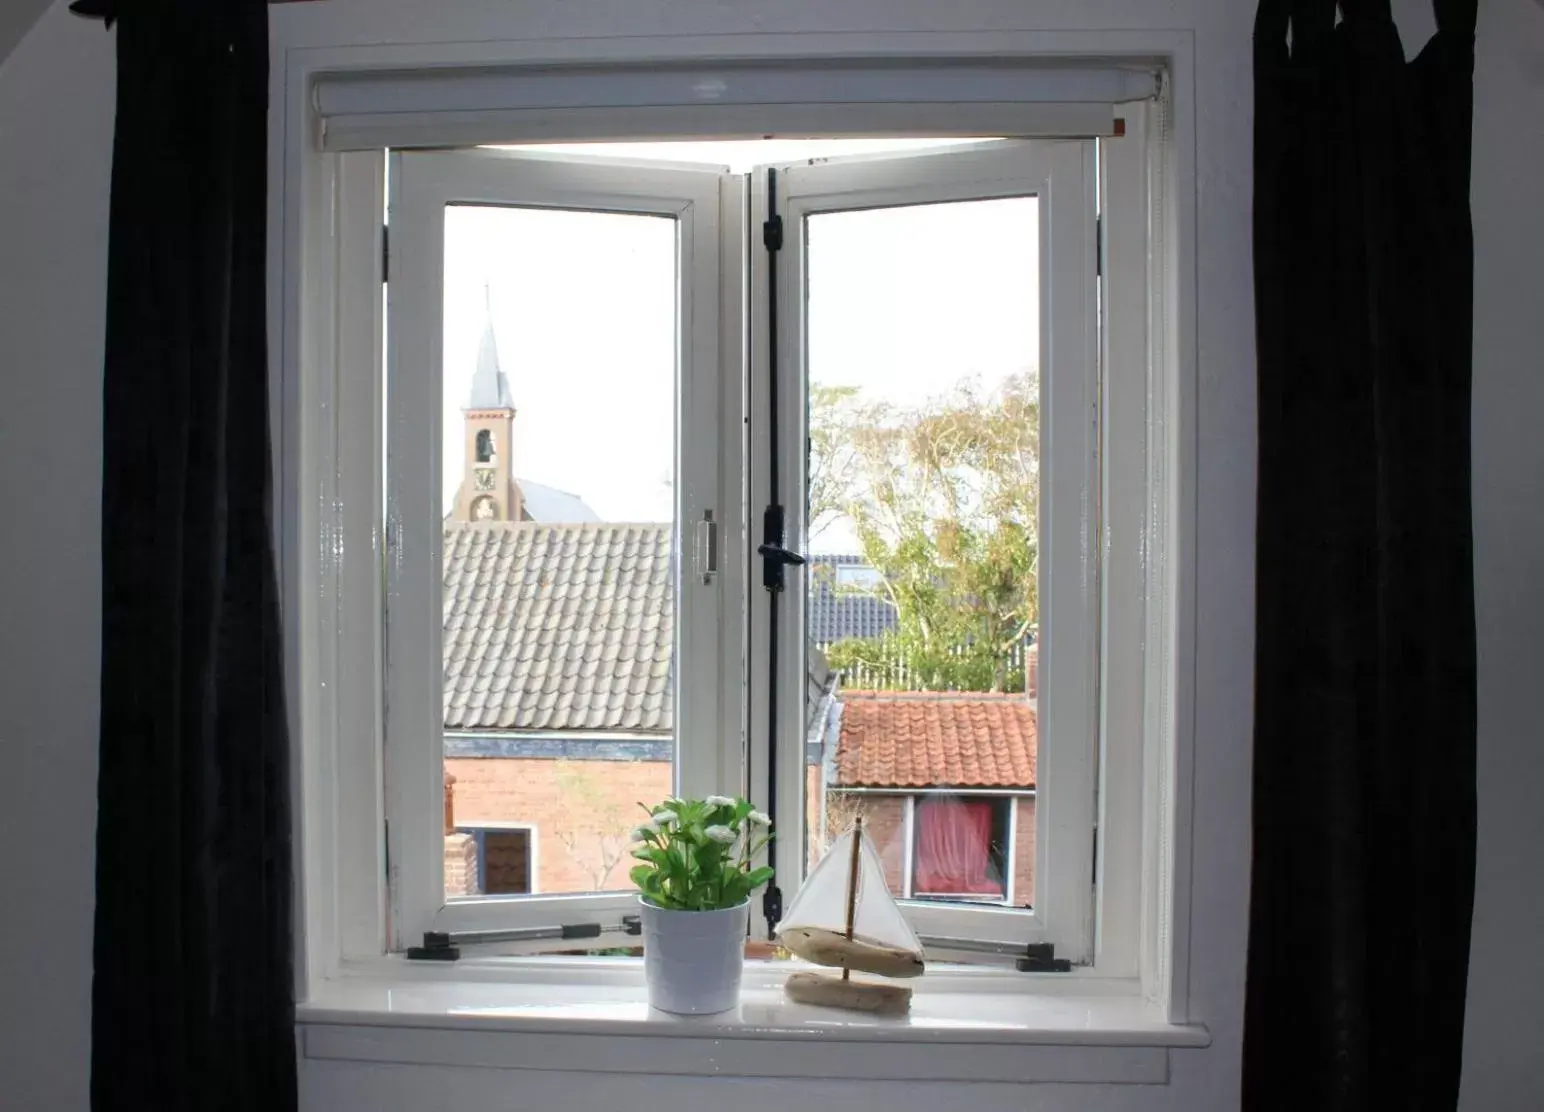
point(488, 488)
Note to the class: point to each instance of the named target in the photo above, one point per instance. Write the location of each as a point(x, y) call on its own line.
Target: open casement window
point(576, 611)
point(937, 655)
point(551, 660)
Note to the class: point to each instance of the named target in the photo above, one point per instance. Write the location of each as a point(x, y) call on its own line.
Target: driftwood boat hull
point(854, 996)
point(862, 955)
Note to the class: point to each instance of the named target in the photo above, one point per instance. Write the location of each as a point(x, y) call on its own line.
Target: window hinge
point(772, 233)
point(385, 252)
point(446, 945)
point(1040, 957)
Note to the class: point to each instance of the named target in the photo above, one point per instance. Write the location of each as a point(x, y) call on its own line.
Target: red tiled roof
point(908, 739)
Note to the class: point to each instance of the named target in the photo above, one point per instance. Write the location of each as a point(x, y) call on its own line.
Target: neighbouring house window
point(505, 861)
point(961, 848)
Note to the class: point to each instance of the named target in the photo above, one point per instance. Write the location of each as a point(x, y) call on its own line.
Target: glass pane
point(560, 543)
point(924, 436)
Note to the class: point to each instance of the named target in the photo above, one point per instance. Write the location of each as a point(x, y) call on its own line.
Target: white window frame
point(423, 184)
point(327, 344)
point(1061, 174)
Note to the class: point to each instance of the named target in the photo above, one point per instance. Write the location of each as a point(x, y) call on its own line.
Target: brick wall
point(460, 865)
point(1024, 852)
point(582, 811)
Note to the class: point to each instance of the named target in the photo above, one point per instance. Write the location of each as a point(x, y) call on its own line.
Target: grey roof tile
point(558, 627)
point(838, 611)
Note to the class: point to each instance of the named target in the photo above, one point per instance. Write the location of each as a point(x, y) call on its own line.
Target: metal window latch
point(446, 945)
point(707, 547)
point(775, 558)
point(1040, 957)
point(772, 906)
point(437, 947)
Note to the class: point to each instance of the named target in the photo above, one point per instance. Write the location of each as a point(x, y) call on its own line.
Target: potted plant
point(695, 882)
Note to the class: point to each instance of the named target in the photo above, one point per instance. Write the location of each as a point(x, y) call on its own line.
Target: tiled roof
point(836, 612)
point(557, 627)
point(923, 739)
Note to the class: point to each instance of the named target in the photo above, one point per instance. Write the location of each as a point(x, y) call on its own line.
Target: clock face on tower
point(485, 478)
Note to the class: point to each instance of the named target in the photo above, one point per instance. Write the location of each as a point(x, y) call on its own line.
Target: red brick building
point(946, 785)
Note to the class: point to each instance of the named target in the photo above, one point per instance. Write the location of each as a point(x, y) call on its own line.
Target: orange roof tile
point(910, 739)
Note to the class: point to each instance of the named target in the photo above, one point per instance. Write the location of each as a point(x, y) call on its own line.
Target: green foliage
point(697, 854)
point(945, 500)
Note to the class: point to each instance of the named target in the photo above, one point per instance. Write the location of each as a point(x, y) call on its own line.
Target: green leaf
point(757, 877)
point(735, 891)
point(642, 876)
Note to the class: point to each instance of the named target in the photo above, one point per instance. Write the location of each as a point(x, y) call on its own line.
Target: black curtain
point(1364, 781)
point(192, 998)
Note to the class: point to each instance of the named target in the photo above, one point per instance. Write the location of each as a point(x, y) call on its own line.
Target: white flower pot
point(692, 960)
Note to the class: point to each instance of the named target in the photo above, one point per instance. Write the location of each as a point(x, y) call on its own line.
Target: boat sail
point(845, 916)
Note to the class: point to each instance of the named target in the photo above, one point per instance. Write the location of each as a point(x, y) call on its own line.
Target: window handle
point(707, 547)
point(781, 555)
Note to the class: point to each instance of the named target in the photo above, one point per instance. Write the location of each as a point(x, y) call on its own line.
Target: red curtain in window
point(954, 838)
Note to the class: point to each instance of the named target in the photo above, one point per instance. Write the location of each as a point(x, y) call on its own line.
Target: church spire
point(489, 491)
point(490, 389)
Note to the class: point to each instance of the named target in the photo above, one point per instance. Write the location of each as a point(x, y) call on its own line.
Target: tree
point(833, 462)
point(944, 497)
point(595, 832)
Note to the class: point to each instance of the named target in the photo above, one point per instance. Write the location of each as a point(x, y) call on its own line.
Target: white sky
point(904, 303)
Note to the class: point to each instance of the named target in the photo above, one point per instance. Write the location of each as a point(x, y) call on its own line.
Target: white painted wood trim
point(301, 214)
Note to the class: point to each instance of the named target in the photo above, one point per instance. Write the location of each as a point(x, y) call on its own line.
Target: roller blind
point(793, 98)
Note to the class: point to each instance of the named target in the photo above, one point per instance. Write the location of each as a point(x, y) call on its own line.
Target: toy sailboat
point(845, 916)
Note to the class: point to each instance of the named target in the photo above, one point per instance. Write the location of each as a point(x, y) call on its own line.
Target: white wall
point(55, 106)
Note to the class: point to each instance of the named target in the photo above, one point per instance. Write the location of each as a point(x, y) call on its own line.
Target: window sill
point(1042, 1029)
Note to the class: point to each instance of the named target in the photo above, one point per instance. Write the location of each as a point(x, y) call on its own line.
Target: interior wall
point(56, 108)
point(56, 94)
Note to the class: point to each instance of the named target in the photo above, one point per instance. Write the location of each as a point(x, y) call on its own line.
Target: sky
point(904, 303)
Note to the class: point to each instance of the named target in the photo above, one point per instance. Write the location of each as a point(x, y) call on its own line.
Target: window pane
point(560, 553)
point(924, 422)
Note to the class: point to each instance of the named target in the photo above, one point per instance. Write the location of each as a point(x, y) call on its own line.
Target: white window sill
point(595, 1019)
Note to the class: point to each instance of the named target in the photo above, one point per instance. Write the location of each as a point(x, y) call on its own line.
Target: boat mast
point(852, 885)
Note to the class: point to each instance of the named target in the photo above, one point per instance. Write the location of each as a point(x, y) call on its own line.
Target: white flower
point(664, 817)
point(721, 834)
point(642, 831)
point(719, 801)
point(759, 818)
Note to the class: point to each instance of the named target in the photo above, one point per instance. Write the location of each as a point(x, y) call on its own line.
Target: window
point(490, 861)
point(538, 632)
point(942, 347)
point(577, 451)
point(962, 849)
